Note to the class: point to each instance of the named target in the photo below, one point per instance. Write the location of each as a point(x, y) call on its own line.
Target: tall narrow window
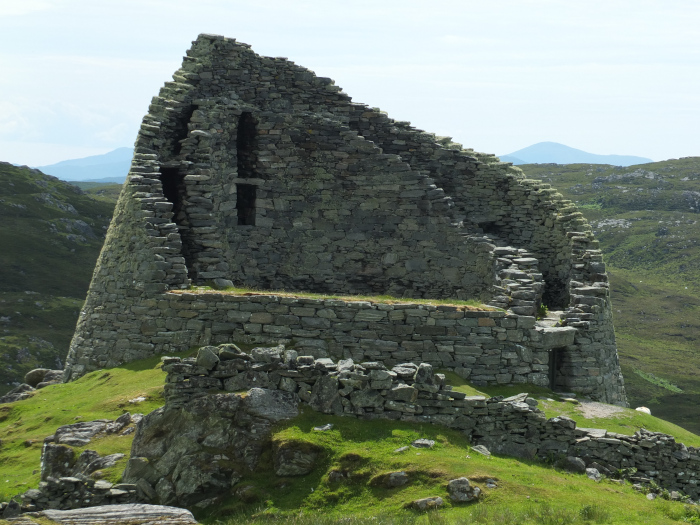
point(246, 143)
point(245, 204)
point(246, 139)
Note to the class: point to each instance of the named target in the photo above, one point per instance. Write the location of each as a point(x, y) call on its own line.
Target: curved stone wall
point(252, 170)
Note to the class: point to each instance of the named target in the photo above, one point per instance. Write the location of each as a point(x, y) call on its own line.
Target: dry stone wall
point(252, 170)
point(279, 379)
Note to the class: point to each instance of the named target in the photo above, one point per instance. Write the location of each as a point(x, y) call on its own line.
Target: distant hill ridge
point(555, 153)
point(114, 166)
point(109, 167)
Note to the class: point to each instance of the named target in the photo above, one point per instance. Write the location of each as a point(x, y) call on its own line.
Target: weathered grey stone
point(132, 513)
point(411, 224)
point(56, 461)
point(423, 443)
point(593, 474)
point(18, 393)
point(80, 434)
point(434, 502)
point(325, 397)
point(274, 405)
point(295, 458)
point(396, 479)
point(461, 491)
point(575, 464)
point(36, 376)
point(366, 399)
point(207, 357)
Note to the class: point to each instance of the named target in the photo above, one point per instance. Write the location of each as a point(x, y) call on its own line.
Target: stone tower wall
point(253, 170)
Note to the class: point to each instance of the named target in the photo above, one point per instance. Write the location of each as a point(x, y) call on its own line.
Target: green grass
point(469, 304)
point(528, 491)
point(100, 394)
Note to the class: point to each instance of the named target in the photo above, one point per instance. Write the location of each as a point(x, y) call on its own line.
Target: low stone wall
point(70, 492)
point(484, 346)
point(413, 393)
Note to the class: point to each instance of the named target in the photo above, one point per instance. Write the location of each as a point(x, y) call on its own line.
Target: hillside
point(51, 235)
point(646, 219)
point(348, 482)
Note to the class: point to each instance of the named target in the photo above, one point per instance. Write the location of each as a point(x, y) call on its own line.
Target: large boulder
point(195, 453)
point(36, 376)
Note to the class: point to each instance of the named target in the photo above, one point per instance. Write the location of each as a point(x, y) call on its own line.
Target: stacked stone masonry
point(253, 171)
point(414, 393)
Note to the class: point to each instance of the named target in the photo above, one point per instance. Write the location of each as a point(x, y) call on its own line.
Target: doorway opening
point(174, 190)
point(555, 359)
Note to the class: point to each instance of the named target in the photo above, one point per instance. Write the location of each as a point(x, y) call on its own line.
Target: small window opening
point(490, 228)
point(245, 204)
point(246, 143)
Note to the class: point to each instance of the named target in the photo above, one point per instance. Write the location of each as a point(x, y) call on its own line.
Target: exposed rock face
point(18, 393)
point(202, 442)
point(295, 459)
point(125, 514)
point(173, 447)
point(252, 170)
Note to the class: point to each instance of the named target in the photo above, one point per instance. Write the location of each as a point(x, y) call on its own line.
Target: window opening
point(245, 204)
point(246, 143)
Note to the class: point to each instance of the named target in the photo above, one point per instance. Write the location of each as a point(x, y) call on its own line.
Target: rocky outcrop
point(23, 391)
point(192, 453)
point(169, 449)
point(122, 514)
point(70, 480)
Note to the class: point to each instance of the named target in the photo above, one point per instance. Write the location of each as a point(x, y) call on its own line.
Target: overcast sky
point(609, 77)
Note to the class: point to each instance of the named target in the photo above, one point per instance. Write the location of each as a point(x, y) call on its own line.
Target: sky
point(608, 77)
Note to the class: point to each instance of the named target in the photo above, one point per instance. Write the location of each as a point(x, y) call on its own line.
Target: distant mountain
point(110, 167)
point(555, 153)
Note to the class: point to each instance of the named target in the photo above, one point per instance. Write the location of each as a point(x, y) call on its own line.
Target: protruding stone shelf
point(556, 336)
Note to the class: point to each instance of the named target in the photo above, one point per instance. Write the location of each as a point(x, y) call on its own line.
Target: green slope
point(50, 236)
point(527, 491)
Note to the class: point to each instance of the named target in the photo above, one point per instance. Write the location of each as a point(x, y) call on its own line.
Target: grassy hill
point(647, 221)
point(50, 236)
point(526, 492)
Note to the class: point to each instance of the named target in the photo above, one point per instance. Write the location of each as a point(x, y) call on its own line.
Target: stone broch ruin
point(253, 171)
